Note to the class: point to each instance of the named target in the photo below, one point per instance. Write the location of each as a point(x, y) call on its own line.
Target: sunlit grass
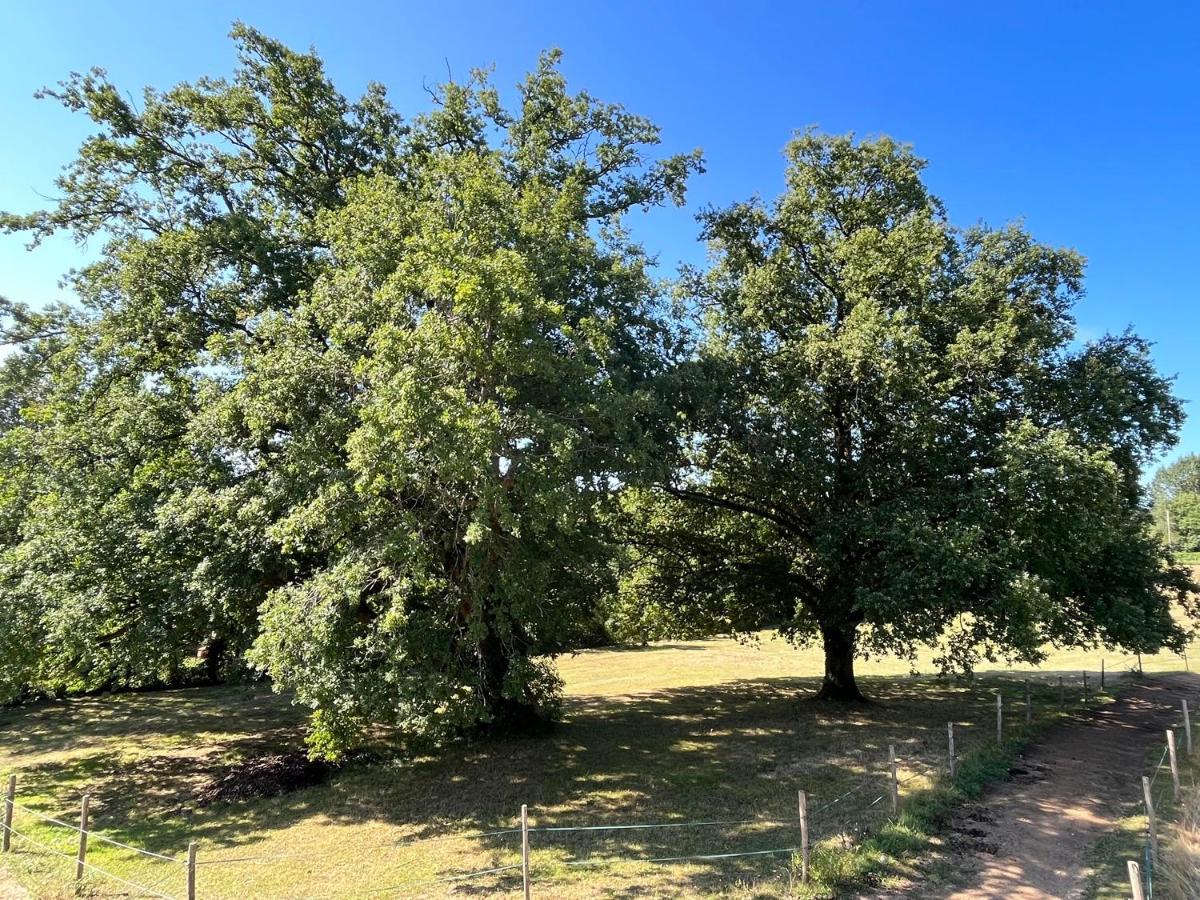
point(679, 732)
point(615, 672)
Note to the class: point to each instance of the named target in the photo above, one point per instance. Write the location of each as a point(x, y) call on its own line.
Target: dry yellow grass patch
point(672, 733)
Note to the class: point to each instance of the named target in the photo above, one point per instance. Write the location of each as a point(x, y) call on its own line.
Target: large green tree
point(1185, 522)
point(891, 439)
point(139, 497)
point(347, 388)
point(501, 342)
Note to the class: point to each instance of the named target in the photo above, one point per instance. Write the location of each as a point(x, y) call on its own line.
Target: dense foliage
point(393, 411)
point(139, 501)
point(890, 440)
point(344, 388)
point(498, 341)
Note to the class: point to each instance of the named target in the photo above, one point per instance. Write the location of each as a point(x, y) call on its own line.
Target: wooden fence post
point(1174, 763)
point(950, 735)
point(10, 797)
point(1135, 881)
point(1187, 729)
point(1085, 690)
point(999, 717)
point(81, 858)
point(191, 871)
point(1101, 673)
point(1150, 819)
point(525, 850)
point(895, 780)
point(803, 838)
point(1061, 700)
point(1028, 703)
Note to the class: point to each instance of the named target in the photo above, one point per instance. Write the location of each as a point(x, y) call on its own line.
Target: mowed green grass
point(672, 733)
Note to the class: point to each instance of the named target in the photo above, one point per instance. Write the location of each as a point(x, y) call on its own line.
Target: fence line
point(98, 836)
point(710, 856)
point(1141, 876)
point(715, 822)
point(90, 866)
point(855, 819)
point(857, 787)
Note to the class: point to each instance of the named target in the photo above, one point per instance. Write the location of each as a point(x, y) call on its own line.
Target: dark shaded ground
point(265, 776)
point(728, 751)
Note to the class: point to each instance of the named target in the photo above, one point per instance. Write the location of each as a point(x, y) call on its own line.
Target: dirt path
point(10, 889)
point(1029, 838)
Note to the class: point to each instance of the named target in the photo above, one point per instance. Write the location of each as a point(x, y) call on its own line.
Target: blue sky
point(1081, 119)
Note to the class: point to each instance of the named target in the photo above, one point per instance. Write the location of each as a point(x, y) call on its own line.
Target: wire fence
point(1158, 797)
point(36, 833)
point(534, 851)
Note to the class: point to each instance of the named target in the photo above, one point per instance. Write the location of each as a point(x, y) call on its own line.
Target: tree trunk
point(506, 713)
point(839, 683)
point(214, 659)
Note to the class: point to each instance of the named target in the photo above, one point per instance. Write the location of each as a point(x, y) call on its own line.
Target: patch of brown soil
point(10, 889)
point(265, 776)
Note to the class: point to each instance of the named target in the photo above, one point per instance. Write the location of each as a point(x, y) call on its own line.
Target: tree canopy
point(890, 441)
point(393, 409)
point(499, 341)
point(139, 497)
point(341, 387)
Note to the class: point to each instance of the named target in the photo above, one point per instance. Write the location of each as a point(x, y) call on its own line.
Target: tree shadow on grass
point(733, 751)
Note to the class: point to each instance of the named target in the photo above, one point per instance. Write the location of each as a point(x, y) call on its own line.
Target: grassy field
point(672, 733)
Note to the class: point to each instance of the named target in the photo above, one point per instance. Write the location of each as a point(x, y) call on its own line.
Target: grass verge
point(1128, 841)
point(898, 851)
